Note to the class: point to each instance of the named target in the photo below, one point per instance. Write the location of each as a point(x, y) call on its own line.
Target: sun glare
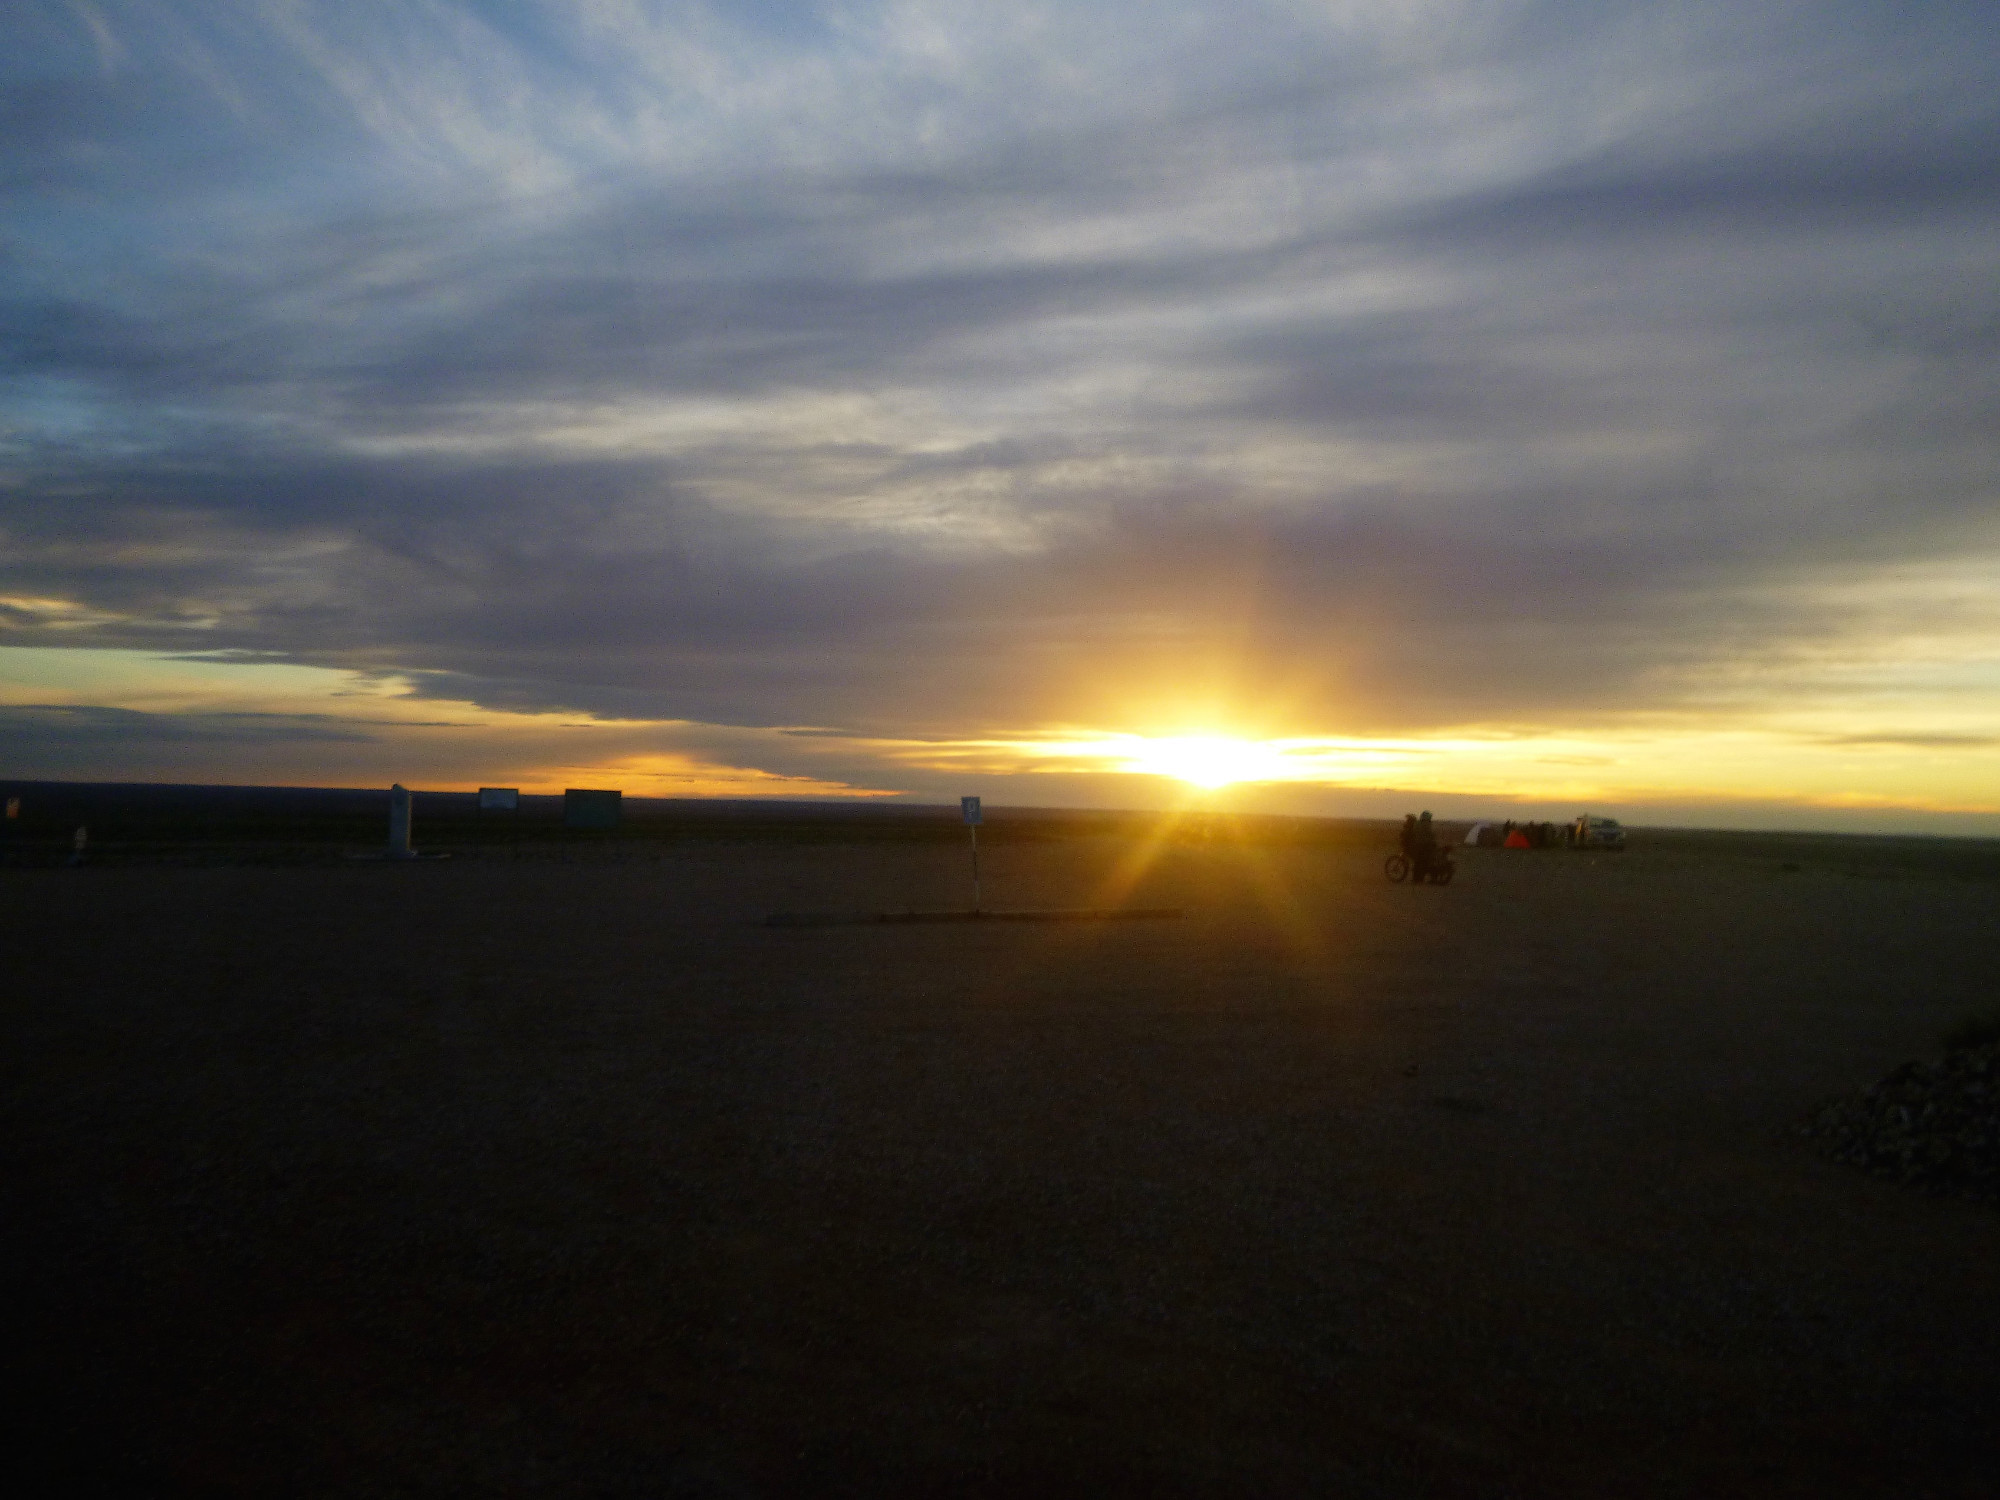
point(1206, 760)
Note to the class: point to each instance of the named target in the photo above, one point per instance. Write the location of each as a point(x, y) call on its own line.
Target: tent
point(1517, 840)
point(1472, 833)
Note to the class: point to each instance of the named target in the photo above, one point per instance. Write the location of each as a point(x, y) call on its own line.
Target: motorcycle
point(1400, 867)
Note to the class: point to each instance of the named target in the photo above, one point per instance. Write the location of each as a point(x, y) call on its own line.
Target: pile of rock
point(1934, 1124)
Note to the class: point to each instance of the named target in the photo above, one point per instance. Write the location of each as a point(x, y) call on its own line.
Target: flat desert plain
point(565, 1175)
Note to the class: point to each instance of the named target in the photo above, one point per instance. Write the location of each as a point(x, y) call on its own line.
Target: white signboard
point(499, 799)
point(968, 808)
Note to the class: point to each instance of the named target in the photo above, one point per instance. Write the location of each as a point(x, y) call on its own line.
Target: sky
point(1518, 408)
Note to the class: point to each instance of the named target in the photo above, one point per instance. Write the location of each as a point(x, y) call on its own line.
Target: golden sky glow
point(276, 722)
point(1779, 762)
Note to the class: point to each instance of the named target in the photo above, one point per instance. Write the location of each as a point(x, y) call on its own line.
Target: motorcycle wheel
point(1397, 868)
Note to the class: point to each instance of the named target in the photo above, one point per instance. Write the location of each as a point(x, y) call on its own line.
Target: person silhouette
point(1424, 848)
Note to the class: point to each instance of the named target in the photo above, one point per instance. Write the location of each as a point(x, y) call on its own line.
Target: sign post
point(399, 822)
point(968, 808)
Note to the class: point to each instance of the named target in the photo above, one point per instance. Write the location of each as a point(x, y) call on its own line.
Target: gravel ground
point(574, 1179)
point(1934, 1124)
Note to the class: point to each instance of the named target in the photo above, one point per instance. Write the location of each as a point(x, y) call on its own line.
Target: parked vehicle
point(1598, 833)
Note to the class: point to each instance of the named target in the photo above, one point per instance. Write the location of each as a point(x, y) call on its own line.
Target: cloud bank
point(956, 370)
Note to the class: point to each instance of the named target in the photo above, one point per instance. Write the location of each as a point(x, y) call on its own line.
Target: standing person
point(1425, 846)
point(1407, 839)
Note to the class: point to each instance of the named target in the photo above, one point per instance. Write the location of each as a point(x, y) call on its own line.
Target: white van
point(1598, 833)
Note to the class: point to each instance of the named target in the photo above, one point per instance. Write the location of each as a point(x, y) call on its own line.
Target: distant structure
point(585, 809)
point(499, 799)
point(399, 823)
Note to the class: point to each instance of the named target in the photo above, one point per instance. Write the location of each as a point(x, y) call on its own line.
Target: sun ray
point(1277, 893)
point(1136, 861)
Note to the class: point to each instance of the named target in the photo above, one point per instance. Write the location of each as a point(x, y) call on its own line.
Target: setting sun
point(1207, 761)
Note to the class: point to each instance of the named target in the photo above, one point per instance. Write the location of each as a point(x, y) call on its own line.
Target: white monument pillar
point(399, 822)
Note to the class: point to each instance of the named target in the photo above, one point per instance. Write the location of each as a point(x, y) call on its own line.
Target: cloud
point(935, 372)
point(35, 729)
point(1915, 741)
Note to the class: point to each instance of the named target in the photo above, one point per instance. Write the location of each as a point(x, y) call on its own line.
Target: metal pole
point(399, 822)
point(975, 867)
